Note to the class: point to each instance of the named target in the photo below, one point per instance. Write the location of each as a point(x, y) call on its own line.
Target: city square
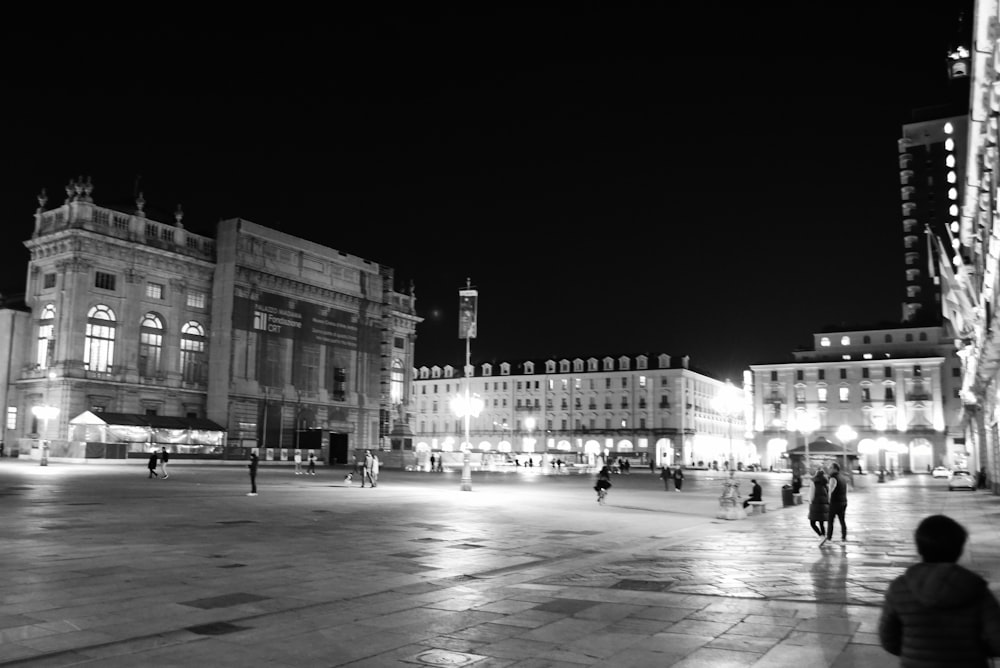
point(107, 567)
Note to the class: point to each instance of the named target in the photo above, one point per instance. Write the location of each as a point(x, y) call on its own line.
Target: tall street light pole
point(468, 306)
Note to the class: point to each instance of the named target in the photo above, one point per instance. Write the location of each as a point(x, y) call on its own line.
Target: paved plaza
point(102, 566)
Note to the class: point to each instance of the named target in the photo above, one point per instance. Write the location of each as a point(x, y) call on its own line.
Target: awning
point(137, 428)
point(152, 421)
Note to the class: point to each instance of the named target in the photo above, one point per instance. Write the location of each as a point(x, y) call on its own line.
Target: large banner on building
point(468, 302)
point(303, 321)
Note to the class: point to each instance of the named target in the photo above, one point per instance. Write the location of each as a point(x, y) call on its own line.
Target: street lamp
point(807, 424)
point(845, 434)
point(466, 406)
point(44, 413)
point(729, 403)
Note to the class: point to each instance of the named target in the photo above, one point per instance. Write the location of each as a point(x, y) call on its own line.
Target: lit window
point(825, 342)
point(952, 194)
point(950, 161)
point(951, 176)
point(948, 128)
point(150, 345)
point(12, 417)
point(821, 394)
point(196, 299)
point(949, 144)
point(845, 393)
point(642, 381)
point(953, 209)
point(154, 290)
point(867, 356)
point(99, 348)
point(192, 352)
point(46, 337)
point(845, 340)
point(104, 281)
point(396, 384)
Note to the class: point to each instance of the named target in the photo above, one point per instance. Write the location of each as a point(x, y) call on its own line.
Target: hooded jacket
point(940, 615)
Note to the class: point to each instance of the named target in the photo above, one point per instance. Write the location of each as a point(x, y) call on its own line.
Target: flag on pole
point(468, 303)
point(957, 305)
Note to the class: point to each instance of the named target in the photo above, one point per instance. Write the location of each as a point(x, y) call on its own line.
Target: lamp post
point(845, 434)
point(728, 403)
point(807, 424)
point(44, 413)
point(466, 406)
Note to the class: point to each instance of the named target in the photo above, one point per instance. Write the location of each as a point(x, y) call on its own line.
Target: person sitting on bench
point(756, 493)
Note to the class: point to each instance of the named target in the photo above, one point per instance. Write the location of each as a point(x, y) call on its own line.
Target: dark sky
point(719, 182)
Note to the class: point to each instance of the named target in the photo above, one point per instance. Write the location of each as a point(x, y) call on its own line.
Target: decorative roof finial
point(42, 199)
point(78, 187)
point(140, 202)
point(88, 188)
point(179, 216)
point(70, 187)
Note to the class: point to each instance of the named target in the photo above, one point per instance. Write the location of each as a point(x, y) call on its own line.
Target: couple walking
point(371, 469)
point(828, 502)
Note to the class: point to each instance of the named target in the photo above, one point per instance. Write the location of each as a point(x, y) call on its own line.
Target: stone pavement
point(103, 567)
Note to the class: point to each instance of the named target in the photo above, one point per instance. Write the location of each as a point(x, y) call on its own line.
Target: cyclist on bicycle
point(603, 483)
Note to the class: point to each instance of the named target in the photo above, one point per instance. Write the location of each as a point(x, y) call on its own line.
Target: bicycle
point(602, 493)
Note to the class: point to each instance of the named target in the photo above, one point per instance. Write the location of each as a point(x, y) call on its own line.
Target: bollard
point(45, 454)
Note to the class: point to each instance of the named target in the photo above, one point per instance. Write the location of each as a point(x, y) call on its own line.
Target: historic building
point(583, 411)
point(897, 390)
point(273, 340)
point(971, 268)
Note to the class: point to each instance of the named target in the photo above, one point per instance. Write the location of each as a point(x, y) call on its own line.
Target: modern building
point(645, 408)
point(896, 390)
point(932, 155)
point(253, 339)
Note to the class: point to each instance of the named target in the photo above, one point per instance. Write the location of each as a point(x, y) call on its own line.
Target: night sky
point(719, 182)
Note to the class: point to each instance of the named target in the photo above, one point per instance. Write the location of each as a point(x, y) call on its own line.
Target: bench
point(757, 507)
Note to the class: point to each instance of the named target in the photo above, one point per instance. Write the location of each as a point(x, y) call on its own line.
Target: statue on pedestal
point(730, 507)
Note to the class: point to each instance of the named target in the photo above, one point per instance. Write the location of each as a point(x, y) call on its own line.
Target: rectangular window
point(800, 395)
point(843, 374)
point(822, 374)
point(12, 417)
point(821, 394)
point(845, 394)
point(956, 373)
point(866, 394)
point(774, 375)
point(154, 290)
point(642, 381)
point(49, 281)
point(799, 374)
point(340, 385)
point(196, 299)
point(398, 342)
point(607, 383)
point(577, 383)
point(889, 394)
point(624, 383)
point(864, 372)
point(888, 372)
point(565, 384)
point(917, 370)
point(104, 280)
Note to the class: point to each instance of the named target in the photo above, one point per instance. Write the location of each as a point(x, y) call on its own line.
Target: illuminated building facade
point(897, 389)
point(583, 411)
point(280, 342)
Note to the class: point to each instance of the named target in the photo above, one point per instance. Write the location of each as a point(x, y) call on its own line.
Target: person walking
point(432, 461)
point(311, 469)
point(678, 478)
point(938, 613)
point(164, 458)
point(838, 504)
point(819, 504)
point(375, 467)
point(253, 474)
point(298, 462)
point(151, 465)
point(665, 476)
point(603, 483)
point(367, 470)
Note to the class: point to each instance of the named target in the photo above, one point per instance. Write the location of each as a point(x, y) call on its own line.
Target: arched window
point(396, 383)
point(46, 336)
point(150, 345)
point(192, 352)
point(99, 352)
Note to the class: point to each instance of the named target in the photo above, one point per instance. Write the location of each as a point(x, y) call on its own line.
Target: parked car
point(962, 480)
point(941, 472)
